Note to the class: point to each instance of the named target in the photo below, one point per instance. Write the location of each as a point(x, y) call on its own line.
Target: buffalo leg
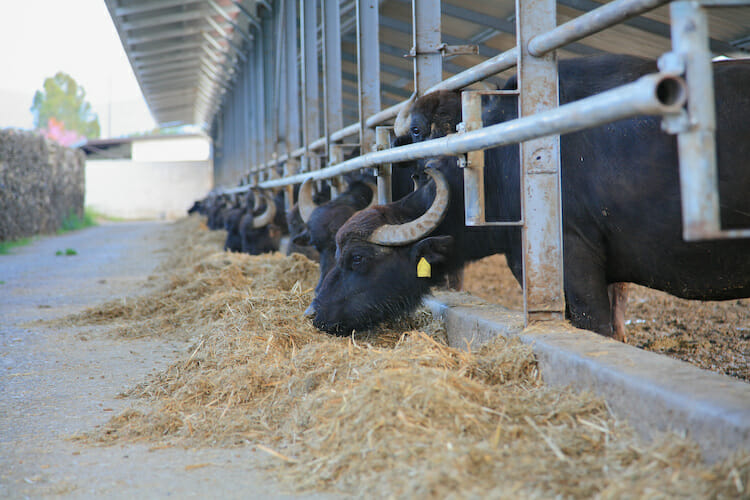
point(618, 300)
point(455, 280)
point(586, 294)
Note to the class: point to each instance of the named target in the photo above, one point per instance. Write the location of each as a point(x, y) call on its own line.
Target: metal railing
point(537, 129)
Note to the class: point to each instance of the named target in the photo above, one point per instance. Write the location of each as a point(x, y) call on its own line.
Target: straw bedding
point(389, 413)
point(713, 335)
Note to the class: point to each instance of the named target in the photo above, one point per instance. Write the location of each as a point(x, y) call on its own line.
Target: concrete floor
point(58, 382)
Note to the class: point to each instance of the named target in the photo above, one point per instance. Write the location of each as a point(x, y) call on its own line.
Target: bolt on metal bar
point(589, 23)
point(633, 99)
point(368, 68)
point(428, 60)
point(541, 204)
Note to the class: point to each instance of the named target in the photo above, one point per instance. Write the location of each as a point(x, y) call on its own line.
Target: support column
point(540, 169)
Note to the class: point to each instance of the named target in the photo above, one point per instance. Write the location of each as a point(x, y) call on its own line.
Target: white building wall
point(140, 189)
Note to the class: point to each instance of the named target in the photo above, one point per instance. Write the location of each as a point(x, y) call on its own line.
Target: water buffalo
point(324, 220)
point(438, 114)
point(621, 214)
point(260, 230)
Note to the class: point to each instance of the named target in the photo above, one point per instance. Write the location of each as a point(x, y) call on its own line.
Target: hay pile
point(392, 413)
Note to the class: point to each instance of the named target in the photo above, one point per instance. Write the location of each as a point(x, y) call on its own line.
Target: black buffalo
point(324, 220)
point(260, 230)
point(621, 214)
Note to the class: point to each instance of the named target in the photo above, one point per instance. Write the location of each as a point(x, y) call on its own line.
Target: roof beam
point(156, 61)
point(172, 47)
point(165, 35)
point(153, 21)
point(151, 5)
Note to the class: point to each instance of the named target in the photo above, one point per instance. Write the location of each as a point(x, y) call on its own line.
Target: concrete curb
point(653, 392)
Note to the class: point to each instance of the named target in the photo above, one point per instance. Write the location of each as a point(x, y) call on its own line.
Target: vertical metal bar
point(428, 61)
point(368, 67)
point(279, 102)
point(332, 75)
point(291, 53)
point(269, 124)
point(697, 145)
point(310, 105)
point(471, 112)
point(337, 156)
point(253, 118)
point(260, 103)
point(540, 169)
point(384, 171)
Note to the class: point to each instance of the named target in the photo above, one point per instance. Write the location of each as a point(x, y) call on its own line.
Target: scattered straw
point(391, 413)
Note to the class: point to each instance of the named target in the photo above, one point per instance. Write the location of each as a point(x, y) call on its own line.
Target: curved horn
point(268, 214)
point(403, 118)
point(409, 232)
point(256, 198)
point(374, 200)
point(305, 200)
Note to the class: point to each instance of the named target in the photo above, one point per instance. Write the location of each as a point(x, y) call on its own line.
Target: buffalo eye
point(357, 261)
point(415, 131)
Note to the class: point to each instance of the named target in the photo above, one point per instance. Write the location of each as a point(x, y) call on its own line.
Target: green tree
point(64, 101)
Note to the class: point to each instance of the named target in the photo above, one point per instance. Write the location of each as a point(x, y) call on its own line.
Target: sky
point(38, 38)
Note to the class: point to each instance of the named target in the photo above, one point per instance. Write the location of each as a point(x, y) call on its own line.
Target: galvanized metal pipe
point(589, 23)
point(291, 54)
point(428, 61)
point(310, 107)
point(332, 77)
point(368, 69)
point(697, 145)
point(541, 238)
point(656, 94)
point(500, 62)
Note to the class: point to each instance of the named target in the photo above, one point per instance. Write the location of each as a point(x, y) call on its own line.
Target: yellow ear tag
point(424, 270)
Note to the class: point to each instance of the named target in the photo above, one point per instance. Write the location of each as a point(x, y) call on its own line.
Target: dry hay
point(713, 335)
point(392, 413)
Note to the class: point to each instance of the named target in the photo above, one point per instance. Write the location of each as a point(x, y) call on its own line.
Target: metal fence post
point(473, 162)
point(291, 97)
point(697, 145)
point(310, 106)
point(428, 60)
point(332, 71)
point(269, 123)
point(383, 141)
point(368, 67)
point(540, 169)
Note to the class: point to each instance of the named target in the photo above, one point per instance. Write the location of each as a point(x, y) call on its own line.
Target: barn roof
point(185, 52)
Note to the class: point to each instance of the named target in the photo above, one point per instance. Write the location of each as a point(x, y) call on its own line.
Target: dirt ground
point(56, 383)
point(712, 335)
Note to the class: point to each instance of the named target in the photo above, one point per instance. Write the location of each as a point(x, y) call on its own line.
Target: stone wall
point(41, 183)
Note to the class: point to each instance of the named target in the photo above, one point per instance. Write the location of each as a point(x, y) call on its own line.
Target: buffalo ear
point(302, 239)
point(435, 249)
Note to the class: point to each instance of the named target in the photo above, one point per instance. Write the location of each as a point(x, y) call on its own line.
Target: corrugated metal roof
point(184, 52)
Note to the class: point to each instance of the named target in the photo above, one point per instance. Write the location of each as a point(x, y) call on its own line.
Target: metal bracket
point(672, 63)
point(676, 123)
point(446, 50)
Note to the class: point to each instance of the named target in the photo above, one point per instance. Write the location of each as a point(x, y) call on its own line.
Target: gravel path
point(58, 382)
